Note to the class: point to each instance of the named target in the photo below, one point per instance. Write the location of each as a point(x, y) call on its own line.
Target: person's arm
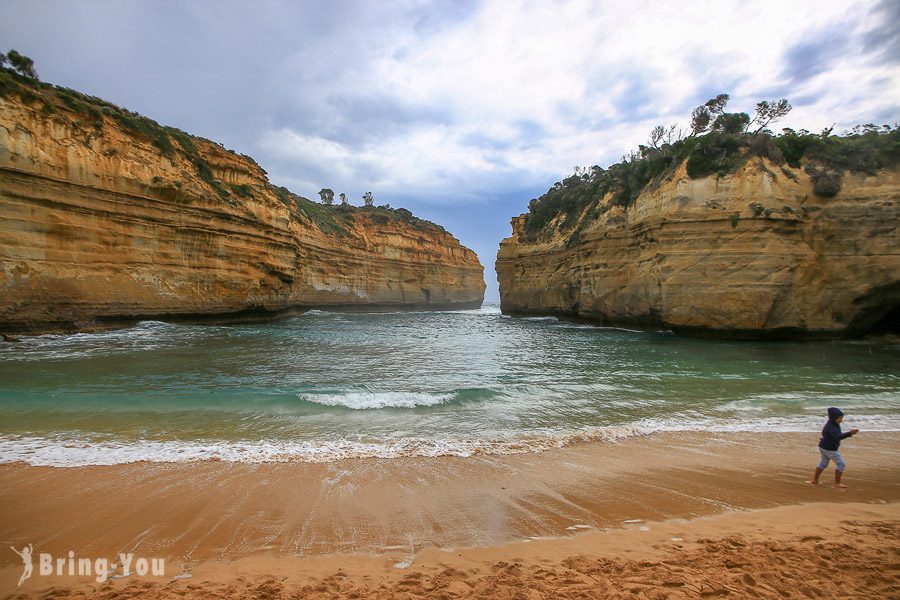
point(849, 433)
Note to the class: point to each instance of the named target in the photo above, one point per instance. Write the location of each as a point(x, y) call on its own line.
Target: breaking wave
point(373, 400)
point(79, 451)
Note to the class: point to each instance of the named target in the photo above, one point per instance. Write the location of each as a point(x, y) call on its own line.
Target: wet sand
point(569, 522)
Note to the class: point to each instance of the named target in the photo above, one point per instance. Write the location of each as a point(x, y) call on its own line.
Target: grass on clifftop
point(171, 141)
point(719, 144)
point(336, 219)
point(168, 140)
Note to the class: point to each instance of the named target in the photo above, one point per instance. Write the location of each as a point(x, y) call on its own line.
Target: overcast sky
point(461, 111)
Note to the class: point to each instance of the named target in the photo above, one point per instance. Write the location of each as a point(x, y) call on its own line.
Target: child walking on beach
point(829, 444)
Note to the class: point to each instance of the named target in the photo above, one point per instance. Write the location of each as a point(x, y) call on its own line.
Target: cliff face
point(754, 254)
point(99, 225)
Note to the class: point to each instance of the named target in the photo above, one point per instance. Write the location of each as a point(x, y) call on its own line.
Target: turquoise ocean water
point(324, 386)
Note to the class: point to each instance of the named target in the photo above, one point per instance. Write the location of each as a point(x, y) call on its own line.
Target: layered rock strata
point(100, 226)
point(753, 254)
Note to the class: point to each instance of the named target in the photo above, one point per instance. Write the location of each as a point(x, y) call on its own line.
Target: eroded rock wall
point(755, 254)
point(98, 226)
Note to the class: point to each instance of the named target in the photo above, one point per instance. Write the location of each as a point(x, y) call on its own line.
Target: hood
point(834, 413)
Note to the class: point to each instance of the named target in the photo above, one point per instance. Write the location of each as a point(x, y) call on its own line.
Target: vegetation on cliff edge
point(718, 143)
point(18, 78)
point(337, 219)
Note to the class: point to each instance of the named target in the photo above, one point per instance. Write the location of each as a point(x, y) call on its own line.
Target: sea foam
point(78, 451)
point(375, 400)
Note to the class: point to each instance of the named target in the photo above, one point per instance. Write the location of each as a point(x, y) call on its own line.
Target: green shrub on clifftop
point(18, 78)
point(719, 144)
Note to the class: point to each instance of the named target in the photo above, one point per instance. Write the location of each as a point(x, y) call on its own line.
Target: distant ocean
point(324, 386)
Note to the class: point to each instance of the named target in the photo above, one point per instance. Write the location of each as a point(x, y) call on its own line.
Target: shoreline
point(80, 452)
point(650, 325)
point(244, 316)
point(385, 512)
point(256, 315)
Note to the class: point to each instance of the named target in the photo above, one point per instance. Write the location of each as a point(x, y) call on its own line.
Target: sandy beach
point(664, 516)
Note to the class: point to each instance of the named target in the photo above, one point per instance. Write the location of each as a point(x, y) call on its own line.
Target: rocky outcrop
point(101, 225)
point(753, 254)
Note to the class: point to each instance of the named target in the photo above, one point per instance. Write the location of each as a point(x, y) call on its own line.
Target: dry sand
point(666, 516)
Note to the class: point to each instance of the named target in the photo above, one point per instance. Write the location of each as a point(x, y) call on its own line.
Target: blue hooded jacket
point(831, 433)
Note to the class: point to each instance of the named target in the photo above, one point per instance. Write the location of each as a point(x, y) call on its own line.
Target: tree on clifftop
point(20, 63)
point(344, 201)
point(769, 112)
point(731, 123)
point(368, 199)
point(327, 195)
point(711, 116)
point(702, 116)
point(664, 136)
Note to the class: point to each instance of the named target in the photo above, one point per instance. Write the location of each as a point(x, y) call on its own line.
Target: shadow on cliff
point(879, 312)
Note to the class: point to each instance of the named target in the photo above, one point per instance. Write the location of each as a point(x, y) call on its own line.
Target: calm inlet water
point(329, 385)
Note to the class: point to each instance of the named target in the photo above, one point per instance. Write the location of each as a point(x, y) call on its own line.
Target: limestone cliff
point(751, 254)
point(107, 217)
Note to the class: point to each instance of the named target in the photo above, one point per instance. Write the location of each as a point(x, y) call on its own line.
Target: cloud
point(883, 39)
point(815, 55)
point(589, 79)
